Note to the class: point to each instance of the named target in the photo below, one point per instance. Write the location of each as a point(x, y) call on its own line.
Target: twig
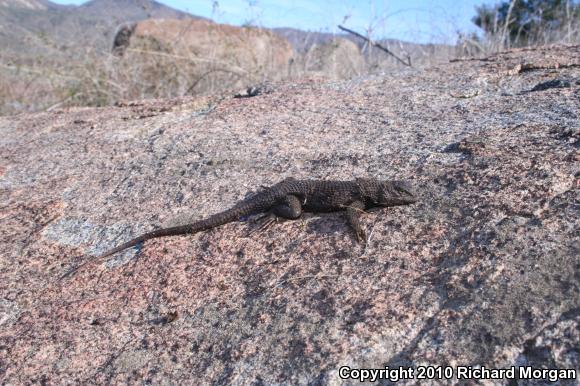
point(506, 25)
point(465, 95)
point(205, 74)
point(408, 63)
point(232, 68)
point(57, 105)
point(302, 278)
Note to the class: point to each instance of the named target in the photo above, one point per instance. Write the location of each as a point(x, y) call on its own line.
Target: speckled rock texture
point(483, 271)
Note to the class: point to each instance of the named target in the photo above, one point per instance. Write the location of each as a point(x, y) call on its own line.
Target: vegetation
point(61, 56)
point(519, 23)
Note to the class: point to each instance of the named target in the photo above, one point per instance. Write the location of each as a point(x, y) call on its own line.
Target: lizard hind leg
point(288, 208)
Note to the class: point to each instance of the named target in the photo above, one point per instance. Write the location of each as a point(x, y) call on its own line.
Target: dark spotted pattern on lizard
point(289, 198)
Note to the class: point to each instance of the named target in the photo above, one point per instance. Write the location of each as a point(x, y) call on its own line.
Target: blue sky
point(412, 20)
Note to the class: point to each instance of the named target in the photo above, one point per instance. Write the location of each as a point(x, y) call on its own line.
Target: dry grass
point(157, 68)
point(101, 79)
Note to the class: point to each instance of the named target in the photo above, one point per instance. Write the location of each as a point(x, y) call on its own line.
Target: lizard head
point(392, 193)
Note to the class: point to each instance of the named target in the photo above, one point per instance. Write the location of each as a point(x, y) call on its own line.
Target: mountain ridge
point(33, 28)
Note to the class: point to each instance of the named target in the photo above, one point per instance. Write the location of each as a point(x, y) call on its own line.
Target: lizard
point(288, 199)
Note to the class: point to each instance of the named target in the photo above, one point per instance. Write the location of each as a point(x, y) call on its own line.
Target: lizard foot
point(361, 236)
point(263, 222)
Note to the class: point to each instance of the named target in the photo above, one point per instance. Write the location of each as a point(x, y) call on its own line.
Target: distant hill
point(33, 28)
point(302, 41)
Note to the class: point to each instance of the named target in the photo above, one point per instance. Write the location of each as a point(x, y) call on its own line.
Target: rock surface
point(483, 271)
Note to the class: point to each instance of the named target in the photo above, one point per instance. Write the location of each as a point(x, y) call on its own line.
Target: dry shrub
point(171, 58)
point(337, 59)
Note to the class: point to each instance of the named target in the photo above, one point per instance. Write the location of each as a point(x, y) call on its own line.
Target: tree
point(527, 22)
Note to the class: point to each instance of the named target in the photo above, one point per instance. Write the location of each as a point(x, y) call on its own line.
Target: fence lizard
point(288, 199)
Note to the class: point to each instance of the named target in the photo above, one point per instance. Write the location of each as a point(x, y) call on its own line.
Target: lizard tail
point(198, 226)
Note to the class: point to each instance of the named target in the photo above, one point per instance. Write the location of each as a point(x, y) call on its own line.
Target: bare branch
point(373, 43)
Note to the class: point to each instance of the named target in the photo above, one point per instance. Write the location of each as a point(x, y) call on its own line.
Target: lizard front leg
point(353, 212)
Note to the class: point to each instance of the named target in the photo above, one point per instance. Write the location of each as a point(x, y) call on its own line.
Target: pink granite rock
point(483, 271)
